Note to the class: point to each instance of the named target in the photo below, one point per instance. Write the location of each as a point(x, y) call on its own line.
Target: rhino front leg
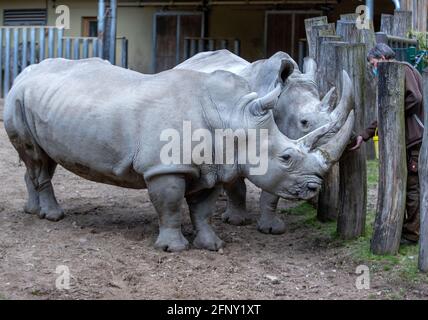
point(236, 212)
point(167, 193)
point(201, 207)
point(269, 222)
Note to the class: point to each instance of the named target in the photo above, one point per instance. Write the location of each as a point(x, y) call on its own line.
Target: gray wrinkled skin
point(298, 112)
point(104, 123)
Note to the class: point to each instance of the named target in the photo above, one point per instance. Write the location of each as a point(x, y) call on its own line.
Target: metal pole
point(101, 26)
point(370, 7)
point(113, 27)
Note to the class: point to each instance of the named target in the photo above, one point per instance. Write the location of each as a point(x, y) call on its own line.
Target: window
point(89, 27)
point(25, 17)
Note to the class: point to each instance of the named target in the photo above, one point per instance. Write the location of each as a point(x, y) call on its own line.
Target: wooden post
point(309, 23)
point(423, 174)
point(402, 23)
point(328, 200)
point(386, 22)
point(320, 41)
point(368, 37)
point(352, 166)
point(393, 165)
point(348, 31)
point(351, 17)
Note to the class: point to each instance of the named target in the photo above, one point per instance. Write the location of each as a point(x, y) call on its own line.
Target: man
point(414, 133)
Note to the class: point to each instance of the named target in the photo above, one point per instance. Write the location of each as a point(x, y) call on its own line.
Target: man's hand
point(358, 143)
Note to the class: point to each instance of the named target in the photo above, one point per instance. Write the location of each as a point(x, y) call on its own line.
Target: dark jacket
point(414, 106)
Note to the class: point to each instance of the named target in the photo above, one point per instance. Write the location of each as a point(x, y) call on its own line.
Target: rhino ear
point(286, 69)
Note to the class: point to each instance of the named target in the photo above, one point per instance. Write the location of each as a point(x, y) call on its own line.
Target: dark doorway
point(283, 29)
point(170, 29)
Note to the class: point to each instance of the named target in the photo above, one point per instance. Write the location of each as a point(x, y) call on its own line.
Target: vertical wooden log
point(368, 37)
point(351, 17)
point(423, 174)
point(315, 33)
point(320, 40)
point(386, 23)
point(309, 23)
point(352, 166)
point(393, 165)
point(348, 31)
point(328, 200)
point(402, 23)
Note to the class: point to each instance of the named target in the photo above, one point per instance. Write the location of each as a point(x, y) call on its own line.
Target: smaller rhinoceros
point(299, 111)
point(107, 124)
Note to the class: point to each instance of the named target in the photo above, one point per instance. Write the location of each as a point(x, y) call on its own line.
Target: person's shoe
point(407, 242)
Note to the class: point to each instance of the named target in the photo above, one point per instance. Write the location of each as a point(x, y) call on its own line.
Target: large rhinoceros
point(107, 124)
point(298, 112)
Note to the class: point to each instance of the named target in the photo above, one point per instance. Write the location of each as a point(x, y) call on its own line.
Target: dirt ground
point(107, 237)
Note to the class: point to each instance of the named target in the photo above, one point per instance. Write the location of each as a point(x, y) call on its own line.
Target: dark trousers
point(412, 218)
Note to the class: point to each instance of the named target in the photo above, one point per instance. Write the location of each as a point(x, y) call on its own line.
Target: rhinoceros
point(298, 112)
point(105, 124)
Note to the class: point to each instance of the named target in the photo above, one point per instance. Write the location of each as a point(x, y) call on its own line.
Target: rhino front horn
point(345, 104)
point(262, 105)
point(333, 149)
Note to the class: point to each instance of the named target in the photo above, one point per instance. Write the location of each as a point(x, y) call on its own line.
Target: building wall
point(136, 23)
point(244, 23)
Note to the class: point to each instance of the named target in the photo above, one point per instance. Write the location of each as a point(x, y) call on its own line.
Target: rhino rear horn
point(262, 105)
point(328, 102)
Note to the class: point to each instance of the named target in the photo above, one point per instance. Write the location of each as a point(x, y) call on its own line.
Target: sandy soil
point(107, 237)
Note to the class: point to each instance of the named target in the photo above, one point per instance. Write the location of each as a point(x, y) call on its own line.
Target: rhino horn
point(327, 103)
point(339, 116)
point(333, 149)
point(345, 104)
point(262, 105)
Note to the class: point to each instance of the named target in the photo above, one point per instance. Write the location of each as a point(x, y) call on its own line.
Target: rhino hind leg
point(167, 194)
point(236, 212)
point(269, 222)
point(38, 179)
point(201, 207)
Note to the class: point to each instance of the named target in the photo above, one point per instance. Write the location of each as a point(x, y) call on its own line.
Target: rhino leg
point(40, 170)
point(201, 207)
point(269, 222)
point(236, 213)
point(167, 194)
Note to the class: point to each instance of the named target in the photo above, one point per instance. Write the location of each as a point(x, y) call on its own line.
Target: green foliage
point(422, 38)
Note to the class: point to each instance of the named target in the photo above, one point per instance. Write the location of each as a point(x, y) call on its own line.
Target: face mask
point(375, 71)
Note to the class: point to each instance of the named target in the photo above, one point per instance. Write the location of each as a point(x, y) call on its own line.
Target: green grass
point(401, 266)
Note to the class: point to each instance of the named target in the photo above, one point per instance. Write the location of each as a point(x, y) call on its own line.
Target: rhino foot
point(207, 239)
point(236, 217)
point(171, 240)
point(271, 225)
point(51, 214)
point(32, 208)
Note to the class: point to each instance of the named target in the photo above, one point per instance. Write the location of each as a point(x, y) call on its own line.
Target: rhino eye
point(286, 157)
point(304, 123)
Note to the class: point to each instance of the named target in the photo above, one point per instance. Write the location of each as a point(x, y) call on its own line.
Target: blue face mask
point(375, 71)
